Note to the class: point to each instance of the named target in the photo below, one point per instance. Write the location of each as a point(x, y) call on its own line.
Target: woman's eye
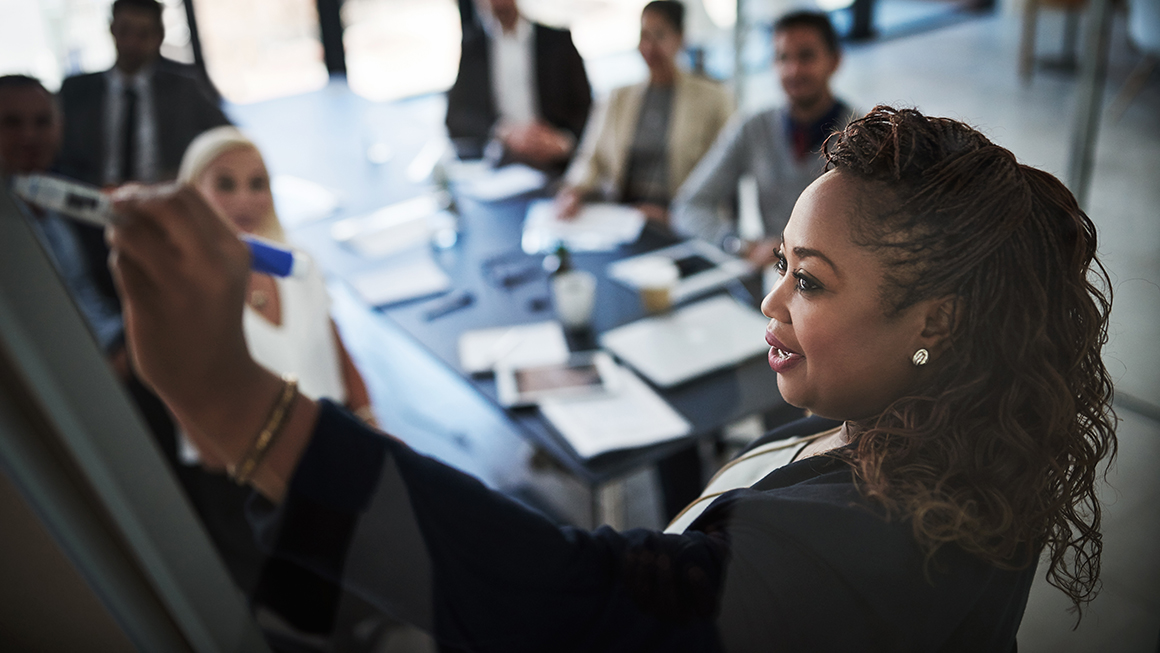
point(258, 184)
point(804, 283)
point(780, 265)
point(225, 184)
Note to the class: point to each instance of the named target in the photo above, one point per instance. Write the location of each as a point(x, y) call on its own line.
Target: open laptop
point(689, 342)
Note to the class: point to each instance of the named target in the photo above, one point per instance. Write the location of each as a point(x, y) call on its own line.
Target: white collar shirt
point(513, 81)
point(145, 158)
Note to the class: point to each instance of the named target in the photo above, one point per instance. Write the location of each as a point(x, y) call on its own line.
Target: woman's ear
point(941, 318)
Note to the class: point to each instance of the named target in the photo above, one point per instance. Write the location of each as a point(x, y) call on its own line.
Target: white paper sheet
point(482, 182)
point(599, 227)
point(412, 275)
point(635, 416)
point(391, 229)
point(521, 345)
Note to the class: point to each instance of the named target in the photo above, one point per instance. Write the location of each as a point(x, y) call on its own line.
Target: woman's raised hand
point(182, 274)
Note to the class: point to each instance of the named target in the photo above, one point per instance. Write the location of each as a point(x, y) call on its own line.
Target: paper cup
point(656, 277)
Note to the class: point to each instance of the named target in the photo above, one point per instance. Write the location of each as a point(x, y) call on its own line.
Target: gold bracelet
point(365, 414)
point(270, 432)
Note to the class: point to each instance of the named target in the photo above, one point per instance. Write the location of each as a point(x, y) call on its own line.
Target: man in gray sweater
point(779, 147)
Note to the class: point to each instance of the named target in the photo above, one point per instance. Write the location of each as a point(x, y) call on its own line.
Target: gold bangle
point(274, 424)
point(365, 414)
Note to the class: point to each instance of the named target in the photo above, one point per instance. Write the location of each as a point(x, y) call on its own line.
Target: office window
point(599, 27)
point(261, 49)
point(399, 48)
point(52, 39)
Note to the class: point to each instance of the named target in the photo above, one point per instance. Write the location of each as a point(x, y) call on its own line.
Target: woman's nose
point(774, 304)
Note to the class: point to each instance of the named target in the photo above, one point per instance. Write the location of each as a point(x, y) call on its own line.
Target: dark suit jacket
point(183, 111)
point(563, 92)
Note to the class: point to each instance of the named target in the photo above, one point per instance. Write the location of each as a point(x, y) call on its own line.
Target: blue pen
point(88, 203)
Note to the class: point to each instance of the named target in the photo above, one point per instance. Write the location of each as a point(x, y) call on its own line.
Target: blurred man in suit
point(521, 89)
point(30, 132)
point(134, 121)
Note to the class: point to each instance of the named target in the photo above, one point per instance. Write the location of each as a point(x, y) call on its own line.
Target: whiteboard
point(82, 459)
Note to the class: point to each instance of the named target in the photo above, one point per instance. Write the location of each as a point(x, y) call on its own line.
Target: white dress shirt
point(145, 159)
point(513, 82)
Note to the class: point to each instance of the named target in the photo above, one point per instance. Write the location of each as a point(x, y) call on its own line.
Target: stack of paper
point(392, 229)
point(521, 345)
point(480, 181)
point(599, 227)
point(406, 277)
point(635, 416)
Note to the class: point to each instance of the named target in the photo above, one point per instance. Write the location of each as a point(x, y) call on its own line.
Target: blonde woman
point(286, 320)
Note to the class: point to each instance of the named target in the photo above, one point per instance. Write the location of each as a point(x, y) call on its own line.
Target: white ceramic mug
point(574, 294)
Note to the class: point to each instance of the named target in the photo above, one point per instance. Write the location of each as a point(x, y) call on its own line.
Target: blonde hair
point(207, 148)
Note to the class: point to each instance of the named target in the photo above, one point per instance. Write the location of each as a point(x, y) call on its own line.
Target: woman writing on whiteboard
point(939, 300)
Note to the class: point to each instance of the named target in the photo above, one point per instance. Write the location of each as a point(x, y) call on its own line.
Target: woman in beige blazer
point(645, 140)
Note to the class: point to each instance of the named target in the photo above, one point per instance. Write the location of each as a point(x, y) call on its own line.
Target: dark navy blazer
point(799, 562)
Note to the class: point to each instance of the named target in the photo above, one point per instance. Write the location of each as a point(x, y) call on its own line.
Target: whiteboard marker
point(88, 203)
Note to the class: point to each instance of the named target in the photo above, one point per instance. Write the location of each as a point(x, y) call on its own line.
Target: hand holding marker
point(88, 203)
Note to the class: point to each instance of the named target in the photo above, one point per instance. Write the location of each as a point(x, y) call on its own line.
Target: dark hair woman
point(996, 450)
point(644, 140)
point(938, 299)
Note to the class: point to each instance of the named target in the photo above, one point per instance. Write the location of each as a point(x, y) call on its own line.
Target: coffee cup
point(655, 278)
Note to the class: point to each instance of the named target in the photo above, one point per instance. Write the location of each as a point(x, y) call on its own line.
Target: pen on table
point(88, 203)
point(451, 304)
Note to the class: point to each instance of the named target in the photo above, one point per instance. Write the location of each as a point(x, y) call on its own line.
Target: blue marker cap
point(274, 260)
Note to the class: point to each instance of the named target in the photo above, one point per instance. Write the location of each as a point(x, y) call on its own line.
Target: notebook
point(694, 340)
point(520, 345)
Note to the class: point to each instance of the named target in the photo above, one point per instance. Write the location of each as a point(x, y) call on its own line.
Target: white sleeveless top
point(303, 345)
point(743, 472)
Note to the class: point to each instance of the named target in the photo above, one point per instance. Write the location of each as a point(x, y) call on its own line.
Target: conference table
point(411, 361)
point(509, 287)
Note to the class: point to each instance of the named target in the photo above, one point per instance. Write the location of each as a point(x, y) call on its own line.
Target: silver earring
point(920, 357)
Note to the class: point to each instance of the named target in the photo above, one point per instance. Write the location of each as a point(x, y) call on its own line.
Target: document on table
point(392, 229)
point(480, 181)
point(599, 227)
point(634, 416)
point(408, 276)
point(520, 345)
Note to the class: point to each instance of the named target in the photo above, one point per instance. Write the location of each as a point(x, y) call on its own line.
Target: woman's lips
point(781, 358)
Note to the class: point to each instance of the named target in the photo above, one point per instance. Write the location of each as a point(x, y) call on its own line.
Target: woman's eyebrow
point(805, 252)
